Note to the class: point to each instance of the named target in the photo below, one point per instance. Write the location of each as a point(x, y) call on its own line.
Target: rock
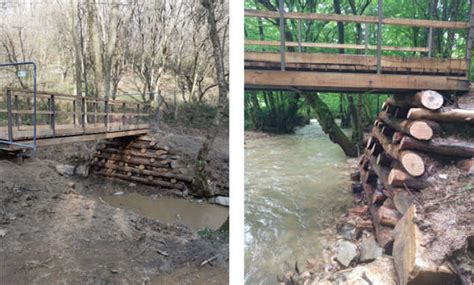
point(381, 271)
point(71, 185)
point(132, 184)
point(346, 253)
point(65, 169)
point(410, 258)
point(369, 249)
point(3, 232)
point(347, 229)
point(220, 200)
point(83, 170)
point(177, 164)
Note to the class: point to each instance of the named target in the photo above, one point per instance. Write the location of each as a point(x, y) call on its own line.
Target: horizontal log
point(445, 147)
point(388, 217)
point(134, 160)
point(134, 153)
point(144, 171)
point(411, 162)
point(418, 129)
point(399, 178)
point(444, 115)
point(428, 99)
point(467, 165)
point(141, 180)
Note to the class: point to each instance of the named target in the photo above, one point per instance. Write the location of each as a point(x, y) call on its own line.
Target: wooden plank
point(335, 46)
point(45, 131)
point(72, 139)
point(360, 19)
point(366, 60)
point(325, 81)
point(29, 93)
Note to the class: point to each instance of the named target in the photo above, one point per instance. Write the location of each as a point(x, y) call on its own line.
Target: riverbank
point(56, 227)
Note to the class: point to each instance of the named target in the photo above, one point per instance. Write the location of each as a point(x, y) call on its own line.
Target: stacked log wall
point(406, 139)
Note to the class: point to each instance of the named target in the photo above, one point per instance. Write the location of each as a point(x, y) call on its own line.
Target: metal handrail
point(10, 139)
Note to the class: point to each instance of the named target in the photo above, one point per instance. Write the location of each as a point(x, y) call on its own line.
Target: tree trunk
point(329, 126)
point(200, 183)
point(77, 51)
point(95, 49)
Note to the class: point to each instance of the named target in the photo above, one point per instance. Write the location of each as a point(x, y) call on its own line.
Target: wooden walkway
point(307, 66)
point(63, 118)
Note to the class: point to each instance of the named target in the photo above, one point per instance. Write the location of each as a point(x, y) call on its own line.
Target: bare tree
point(200, 181)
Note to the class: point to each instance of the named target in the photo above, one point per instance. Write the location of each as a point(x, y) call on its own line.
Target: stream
point(295, 188)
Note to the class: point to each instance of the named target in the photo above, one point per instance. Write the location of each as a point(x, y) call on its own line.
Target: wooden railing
point(379, 20)
point(67, 115)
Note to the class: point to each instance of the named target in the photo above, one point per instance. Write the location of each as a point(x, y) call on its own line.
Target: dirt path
point(53, 234)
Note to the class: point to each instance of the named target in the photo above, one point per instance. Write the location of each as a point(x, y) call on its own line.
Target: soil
point(58, 230)
point(446, 215)
point(55, 234)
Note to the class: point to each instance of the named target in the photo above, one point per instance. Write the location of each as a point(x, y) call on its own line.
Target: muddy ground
point(58, 230)
point(52, 234)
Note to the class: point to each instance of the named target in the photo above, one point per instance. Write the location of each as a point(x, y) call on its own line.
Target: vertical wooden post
point(52, 108)
point(124, 110)
point(106, 122)
point(430, 42)
point(83, 114)
point(17, 108)
point(95, 113)
point(10, 117)
point(366, 38)
point(138, 118)
point(379, 36)
point(281, 9)
point(299, 35)
point(74, 103)
point(470, 38)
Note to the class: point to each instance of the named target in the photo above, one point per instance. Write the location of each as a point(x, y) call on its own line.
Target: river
point(295, 188)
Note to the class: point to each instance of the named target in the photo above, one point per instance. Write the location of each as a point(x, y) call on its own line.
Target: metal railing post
point(17, 108)
point(10, 115)
point(281, 9)
point(379, 36)
point(52, 108)
point(106, 115)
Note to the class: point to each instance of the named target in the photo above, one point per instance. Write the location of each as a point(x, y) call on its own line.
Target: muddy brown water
point(195, 215)
point(295, 187)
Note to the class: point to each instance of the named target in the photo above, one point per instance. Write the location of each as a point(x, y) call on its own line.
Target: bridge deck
point(353, 73)
point(65, 118)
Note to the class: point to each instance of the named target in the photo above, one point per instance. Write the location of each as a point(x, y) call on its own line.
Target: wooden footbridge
point(294, 67)
point(61, 118)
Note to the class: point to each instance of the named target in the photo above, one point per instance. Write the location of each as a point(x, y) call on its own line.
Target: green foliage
point(447, 43)
point(277, 112)
point(205, 232)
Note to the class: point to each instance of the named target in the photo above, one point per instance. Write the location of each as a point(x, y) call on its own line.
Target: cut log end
point(412, 163)
point(431, 99)
point(421, 130)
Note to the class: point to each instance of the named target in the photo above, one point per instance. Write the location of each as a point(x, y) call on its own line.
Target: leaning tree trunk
point(201, 185)
point(329, 126)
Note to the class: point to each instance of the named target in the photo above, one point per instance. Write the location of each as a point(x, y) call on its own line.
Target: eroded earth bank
point(59, 228)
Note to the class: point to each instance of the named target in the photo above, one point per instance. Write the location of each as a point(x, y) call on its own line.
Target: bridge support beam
point(350, 82)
